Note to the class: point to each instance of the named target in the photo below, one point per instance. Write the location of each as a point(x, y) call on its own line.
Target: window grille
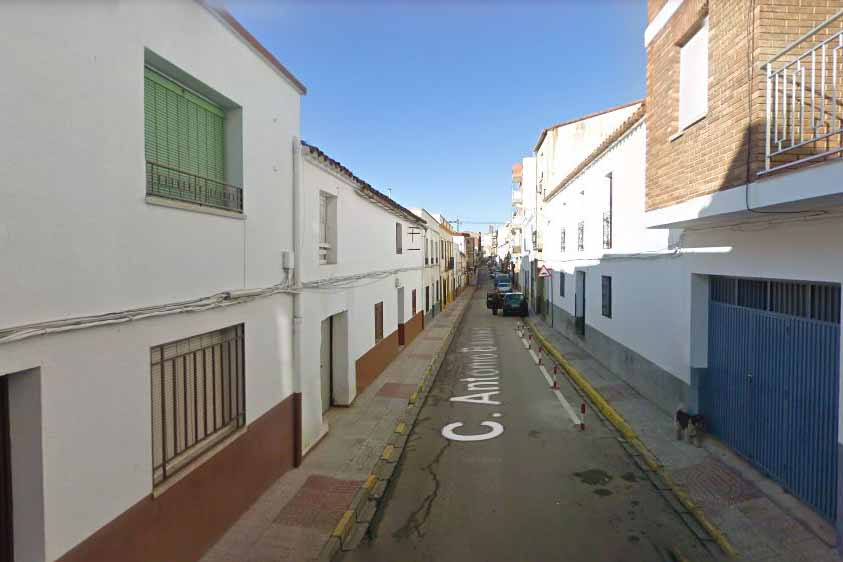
point(607, 230)
point(198, 397)
point(815, 301)
point(606, 290)
point(399, 241)
point(562, 239)
point(581, 236)
point(561, 283)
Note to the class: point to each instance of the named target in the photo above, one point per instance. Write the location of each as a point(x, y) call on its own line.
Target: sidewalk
point(762, 522)
point(308, 512)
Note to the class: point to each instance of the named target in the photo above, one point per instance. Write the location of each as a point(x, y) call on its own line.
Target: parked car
point(514, 304)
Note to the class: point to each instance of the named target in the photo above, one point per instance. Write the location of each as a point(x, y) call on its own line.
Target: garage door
point(771, 391)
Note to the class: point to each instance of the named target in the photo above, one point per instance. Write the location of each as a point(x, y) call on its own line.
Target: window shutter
point(182, 130)
point(693, 77)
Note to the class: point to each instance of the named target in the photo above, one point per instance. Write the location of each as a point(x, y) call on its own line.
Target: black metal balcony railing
point(607, 230)
point(172, 183)
point(450, 263)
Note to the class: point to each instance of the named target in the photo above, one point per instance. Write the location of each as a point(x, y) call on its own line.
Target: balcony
point(803, 111)
point(171, 183)
point(517, 197)
point(607, 230)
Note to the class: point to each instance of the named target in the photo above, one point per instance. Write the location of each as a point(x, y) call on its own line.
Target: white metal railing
point(517, 197)
point(803, 99)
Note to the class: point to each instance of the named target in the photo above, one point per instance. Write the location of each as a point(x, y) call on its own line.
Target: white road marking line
point(571, 414)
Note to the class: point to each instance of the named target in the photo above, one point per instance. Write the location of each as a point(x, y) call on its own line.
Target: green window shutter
point(182, 130)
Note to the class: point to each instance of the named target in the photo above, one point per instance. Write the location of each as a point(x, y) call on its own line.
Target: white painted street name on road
point(484, 377)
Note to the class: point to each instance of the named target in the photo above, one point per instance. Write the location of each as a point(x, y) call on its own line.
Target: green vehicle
point(514, 304)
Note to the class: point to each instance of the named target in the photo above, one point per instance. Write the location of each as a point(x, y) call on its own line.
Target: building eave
point(546, 130)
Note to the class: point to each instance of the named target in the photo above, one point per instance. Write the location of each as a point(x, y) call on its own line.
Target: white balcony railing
point(517, 197)
point(804, 115)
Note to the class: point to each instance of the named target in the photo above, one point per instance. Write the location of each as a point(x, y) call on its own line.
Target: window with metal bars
point(607, 230)
point(561, 283)
point(198, 397)
point(606, 290)
point(184, 139)
point(581, 236)
point(399, 239)
point(815, 301)
point(562, 239)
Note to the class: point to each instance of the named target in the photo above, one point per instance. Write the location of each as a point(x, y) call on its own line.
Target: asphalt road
point(541, 490)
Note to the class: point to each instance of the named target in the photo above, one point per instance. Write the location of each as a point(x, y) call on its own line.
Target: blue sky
point(438, 99)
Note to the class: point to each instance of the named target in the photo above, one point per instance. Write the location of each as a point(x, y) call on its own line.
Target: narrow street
point(540, 490)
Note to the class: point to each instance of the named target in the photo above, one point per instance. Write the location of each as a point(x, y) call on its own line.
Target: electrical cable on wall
point(219, 300)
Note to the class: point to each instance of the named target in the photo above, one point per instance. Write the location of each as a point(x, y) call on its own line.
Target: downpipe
point(295, 277)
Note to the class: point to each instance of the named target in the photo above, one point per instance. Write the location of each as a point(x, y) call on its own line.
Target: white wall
point(365, 245)
point(95, 405)
point(77, 236)
point(563, 148)
point(654, 290)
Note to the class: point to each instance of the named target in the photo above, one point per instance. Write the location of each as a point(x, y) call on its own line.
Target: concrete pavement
point(496, 469)
point(295, 519)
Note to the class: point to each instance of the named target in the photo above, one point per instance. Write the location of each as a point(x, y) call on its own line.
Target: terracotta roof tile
point(364, 186)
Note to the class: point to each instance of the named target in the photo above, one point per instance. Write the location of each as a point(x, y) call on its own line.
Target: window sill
point(204, 457)
point(193, 207)
point(690, 124)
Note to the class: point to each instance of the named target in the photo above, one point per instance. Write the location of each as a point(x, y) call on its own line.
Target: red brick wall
point(712, 154)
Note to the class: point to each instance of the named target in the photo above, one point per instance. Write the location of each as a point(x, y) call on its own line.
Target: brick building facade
point(712, 154)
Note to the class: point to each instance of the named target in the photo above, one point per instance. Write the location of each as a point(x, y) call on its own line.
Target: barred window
point(607, 296)
point(198, 397)
point(562, 236)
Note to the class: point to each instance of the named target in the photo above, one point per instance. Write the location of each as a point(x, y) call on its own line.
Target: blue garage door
point(771, 392)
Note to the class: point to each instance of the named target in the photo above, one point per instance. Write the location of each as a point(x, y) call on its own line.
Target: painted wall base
point(654, 383)
point(186, 520)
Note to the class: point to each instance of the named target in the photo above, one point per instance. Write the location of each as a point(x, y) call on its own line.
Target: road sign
point(543, 272)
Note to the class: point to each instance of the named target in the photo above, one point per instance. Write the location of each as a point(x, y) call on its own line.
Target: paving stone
point(319, 503)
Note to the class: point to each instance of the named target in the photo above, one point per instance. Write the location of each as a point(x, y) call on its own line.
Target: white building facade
point(361, 277)
point(147, 380)
point(433, 278)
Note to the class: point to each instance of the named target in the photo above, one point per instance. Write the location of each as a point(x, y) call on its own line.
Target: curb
point(356, 520)
point(632, 438)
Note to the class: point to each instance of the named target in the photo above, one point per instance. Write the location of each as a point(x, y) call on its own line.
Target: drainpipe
point(296, 282)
